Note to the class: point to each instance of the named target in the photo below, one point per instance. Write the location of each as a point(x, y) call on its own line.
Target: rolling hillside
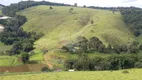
point(61, 26)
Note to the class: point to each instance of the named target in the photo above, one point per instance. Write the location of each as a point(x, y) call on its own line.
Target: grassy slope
point(134, 74)
point(9, 61)
point(61, 27)
point(1, 10)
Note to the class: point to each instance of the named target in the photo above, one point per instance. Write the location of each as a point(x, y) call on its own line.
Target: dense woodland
point(84, 45)
point(14, 35)
point(113, 62)
point(22, 42)
point(133, 18)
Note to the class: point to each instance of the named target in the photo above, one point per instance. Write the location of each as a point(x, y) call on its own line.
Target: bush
point(125, 72)
point(25, 57)
point(45, 69)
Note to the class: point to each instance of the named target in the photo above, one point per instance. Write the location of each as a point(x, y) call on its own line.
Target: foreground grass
point(134, 74)
point(62, 27)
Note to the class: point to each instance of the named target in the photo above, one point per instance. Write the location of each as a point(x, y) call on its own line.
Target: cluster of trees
point(105, 8)
point(113, 62)
point(84, 45)
point(132, 17)
point(13, 8)
point(14, 35)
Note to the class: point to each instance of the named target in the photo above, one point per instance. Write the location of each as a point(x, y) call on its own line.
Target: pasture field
point(61, 27)
point(9, 61)
point(37, 56)
point(132, 74)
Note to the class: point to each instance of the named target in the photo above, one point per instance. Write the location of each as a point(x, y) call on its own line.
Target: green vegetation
point(132, 74)
point(72, 36)
point(4, 48)
point(132, 17)
point(58, 21)
point(1, 10)
point(9, 61)
point(36, 55)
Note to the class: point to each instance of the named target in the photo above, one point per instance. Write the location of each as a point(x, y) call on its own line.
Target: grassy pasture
point(61, 27)
point(133, 74)
point(9, 61)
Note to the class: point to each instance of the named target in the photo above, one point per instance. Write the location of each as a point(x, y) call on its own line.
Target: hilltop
point(61, 27)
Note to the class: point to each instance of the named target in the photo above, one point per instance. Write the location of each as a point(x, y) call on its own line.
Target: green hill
point(61, 26)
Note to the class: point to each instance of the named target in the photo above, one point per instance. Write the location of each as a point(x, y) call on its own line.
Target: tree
point(140, 47)
point(136, 33)
point(45, 69)
point(75, 4)
point(94, 43)
point(101, 48)
point(82, 63)
point(82, 43)
point(133, 47)
point(27, 47)
point(25, 57)
point(84, 6)
point(92, 22)
point(50, 7)
point(117, 49)
point(71, 10)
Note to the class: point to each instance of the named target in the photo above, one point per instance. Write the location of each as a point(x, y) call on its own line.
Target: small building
point(71, 70)
point(4, 17)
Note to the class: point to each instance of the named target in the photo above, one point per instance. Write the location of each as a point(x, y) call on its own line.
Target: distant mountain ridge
point(2, 5)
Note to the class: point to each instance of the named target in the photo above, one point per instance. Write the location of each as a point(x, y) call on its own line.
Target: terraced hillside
point(62, 26)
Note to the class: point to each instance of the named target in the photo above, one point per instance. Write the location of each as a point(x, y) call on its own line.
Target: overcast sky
point(102, 3)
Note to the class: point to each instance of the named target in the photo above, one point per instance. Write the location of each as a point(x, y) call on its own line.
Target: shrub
point(25, 57)
point(125, 72)
point(45, 69)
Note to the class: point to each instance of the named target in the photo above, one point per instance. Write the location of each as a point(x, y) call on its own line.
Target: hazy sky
point(137, 3)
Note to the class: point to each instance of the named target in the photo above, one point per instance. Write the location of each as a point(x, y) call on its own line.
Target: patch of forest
point(133, 18)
